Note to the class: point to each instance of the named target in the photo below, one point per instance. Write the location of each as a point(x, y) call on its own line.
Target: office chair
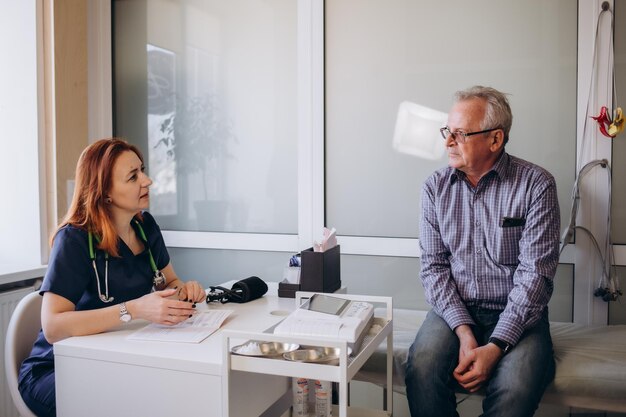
point(21, 334)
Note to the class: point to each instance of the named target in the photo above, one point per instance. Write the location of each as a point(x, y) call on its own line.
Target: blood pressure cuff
point(248, 289)
point(242, 291)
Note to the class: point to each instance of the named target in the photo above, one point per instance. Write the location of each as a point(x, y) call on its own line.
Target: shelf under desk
point(342, 373)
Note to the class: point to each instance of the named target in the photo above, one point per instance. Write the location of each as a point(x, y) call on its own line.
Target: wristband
point(504, 346)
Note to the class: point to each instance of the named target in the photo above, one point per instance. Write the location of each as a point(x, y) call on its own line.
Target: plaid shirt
point(495, 246)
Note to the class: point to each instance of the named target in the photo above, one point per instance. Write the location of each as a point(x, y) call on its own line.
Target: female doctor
point(107, 257)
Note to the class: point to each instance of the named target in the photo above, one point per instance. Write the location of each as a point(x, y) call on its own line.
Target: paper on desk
point(192, 330)
point(348, 326)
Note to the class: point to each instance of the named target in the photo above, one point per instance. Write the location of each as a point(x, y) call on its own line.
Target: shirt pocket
point(507, 245)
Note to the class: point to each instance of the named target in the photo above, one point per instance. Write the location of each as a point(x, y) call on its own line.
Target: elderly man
point(489, 236)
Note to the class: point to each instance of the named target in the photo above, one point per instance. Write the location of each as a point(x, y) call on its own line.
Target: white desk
point(109, 375)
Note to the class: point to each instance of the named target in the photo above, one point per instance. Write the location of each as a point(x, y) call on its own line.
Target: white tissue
point(328, 241)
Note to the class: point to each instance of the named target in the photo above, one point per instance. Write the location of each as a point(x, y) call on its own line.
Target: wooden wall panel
point(71, 109)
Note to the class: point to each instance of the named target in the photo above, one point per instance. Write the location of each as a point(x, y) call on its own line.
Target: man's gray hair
point(498, 112)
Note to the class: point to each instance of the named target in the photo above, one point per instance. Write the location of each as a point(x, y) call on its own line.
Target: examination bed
point(590, 362)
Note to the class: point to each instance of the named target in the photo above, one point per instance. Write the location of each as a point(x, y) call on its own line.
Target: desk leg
point(388, 406)
point(343, 397)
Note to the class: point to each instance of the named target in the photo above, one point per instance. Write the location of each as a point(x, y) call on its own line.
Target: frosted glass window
point(379, 54)
point(618, 167)
point(207, 90)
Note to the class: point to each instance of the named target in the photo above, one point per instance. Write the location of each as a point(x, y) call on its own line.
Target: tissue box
point(287, 290)
point(321, 271)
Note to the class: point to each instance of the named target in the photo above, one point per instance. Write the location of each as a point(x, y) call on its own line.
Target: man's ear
point(497, 141)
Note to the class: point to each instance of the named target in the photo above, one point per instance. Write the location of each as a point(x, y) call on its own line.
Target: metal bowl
point(260, 348)
point(315, 354)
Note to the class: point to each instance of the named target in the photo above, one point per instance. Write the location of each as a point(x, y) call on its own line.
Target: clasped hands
point(475, 362)
point(171, 305)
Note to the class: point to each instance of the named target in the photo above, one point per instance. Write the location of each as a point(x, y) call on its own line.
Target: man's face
point(475, 156)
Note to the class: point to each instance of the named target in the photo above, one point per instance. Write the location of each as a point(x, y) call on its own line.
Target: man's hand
point(467, 341)
point(476, 366)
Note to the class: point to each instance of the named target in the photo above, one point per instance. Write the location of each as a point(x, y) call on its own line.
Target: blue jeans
point(515, 386)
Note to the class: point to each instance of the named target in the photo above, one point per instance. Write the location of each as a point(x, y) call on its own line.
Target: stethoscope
point(158, 281)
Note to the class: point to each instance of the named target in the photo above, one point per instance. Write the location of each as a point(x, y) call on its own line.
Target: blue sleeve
point(155, 241)
point(68, 272)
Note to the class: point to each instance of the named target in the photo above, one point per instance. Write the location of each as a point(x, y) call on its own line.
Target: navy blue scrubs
point(70, 274)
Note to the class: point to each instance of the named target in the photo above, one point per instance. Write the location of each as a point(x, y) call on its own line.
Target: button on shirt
point(493, 246)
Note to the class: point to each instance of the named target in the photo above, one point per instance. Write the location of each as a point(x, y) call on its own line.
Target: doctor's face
point(129, 184)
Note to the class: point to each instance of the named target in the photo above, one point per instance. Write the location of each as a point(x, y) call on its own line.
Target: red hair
point(89, 210)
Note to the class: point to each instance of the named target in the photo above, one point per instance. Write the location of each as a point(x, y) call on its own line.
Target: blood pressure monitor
point(327, 304)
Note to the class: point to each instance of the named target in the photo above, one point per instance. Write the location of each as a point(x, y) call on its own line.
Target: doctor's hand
point(191, 291)
point(476, 367)
point(158, 308)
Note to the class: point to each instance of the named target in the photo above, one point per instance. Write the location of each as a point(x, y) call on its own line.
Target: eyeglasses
point(459, 136)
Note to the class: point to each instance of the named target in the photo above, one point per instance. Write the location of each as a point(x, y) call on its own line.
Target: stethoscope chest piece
point(159, 280)
point(106, 299)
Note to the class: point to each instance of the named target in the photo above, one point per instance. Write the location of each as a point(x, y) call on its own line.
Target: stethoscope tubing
point(158, 280)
